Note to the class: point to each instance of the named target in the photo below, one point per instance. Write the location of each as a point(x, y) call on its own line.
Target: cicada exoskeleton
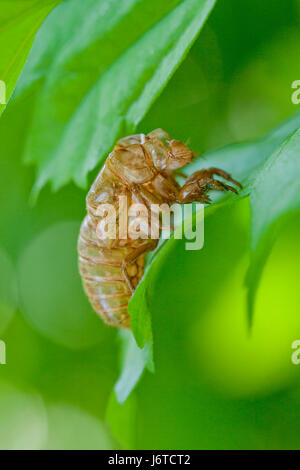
point(140, 169)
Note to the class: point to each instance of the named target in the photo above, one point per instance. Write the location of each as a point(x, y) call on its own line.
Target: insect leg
point(199, 183)
point(225, 175)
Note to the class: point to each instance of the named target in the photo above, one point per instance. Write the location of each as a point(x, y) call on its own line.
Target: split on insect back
point(128, 207)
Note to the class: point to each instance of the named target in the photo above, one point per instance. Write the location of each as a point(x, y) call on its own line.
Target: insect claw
point(235, 182)
point(230, 188)
point(225, 175)
point(206, 200)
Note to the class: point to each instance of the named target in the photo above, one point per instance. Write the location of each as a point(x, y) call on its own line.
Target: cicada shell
point(140, 169)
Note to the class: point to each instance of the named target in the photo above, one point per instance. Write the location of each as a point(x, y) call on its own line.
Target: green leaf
point(275, 194)
point(249, 162)
point(138, 308)
point(140, 316)
point(20, 21)
point(140, 324)
point(122, 419)
point(95, 71)
point(134, 361)
point(245, 161)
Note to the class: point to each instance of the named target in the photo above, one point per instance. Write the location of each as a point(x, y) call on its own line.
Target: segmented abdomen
point(101, 271)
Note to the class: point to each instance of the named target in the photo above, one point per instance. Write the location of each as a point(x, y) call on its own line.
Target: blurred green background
point(215, 387)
